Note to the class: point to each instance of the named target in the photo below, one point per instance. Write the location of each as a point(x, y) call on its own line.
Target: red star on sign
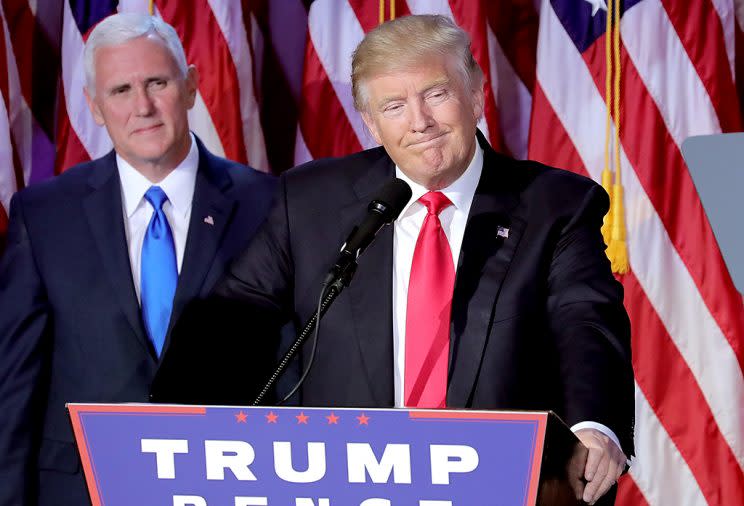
point(332, 419)
point(241, 417)
point(302, 418)
point(363, 419)
point(271, 417)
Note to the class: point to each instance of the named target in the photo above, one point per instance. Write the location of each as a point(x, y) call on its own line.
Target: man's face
point(425, 117)
point(142, 99)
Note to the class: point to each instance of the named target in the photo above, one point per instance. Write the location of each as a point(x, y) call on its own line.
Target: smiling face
point(425, 117)
point(142, 98)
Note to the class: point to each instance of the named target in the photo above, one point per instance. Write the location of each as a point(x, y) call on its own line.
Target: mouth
point(147, 129)
point(422, 143)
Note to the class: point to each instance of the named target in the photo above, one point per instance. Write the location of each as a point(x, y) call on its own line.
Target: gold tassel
point(613, 227)
point(617, 251)
point(607, 172)
point(607, 223)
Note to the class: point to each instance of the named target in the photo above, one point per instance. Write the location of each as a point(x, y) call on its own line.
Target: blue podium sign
point(220, 456)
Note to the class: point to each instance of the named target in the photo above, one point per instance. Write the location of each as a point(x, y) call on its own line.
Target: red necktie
point(428, 315)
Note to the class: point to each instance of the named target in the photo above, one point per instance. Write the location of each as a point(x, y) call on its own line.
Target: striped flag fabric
point(687, 318)
point(275, 91)
point(215, 38)
point(28, 86)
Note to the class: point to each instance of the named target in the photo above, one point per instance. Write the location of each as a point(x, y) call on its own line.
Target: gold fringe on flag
point(151, 7)
point(613, 228)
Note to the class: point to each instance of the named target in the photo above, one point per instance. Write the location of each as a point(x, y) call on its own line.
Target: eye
point(158, 84)
point(437, 96)
point(392, 109)
point(120, 90)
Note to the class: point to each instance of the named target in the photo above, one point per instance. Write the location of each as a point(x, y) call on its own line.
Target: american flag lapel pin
point(209, 220)
point(502, 232)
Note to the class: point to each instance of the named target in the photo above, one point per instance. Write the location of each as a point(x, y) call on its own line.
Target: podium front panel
point(239, 456)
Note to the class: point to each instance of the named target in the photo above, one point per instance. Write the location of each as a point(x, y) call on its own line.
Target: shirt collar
point(178, 185)
point(460, 192)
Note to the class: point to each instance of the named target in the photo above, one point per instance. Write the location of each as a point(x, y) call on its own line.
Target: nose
point(143, 102)
point(420, 116)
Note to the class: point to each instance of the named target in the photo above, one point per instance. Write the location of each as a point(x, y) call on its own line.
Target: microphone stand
point(333, 285)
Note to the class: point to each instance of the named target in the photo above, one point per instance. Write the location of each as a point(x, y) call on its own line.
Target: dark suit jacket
point(70, 326)
point(537, 317)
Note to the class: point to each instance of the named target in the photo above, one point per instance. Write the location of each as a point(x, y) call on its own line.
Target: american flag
point(275, 91)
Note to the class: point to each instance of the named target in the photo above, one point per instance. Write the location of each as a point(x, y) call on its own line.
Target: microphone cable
point(313, 349)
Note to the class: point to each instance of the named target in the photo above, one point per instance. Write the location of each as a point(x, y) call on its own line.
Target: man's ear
point(371, 126)
point(94, 109)
point(192, 85)
point(479, 99)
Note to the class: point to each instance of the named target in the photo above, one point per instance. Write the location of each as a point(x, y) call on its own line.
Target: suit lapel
point(370, 292)
point(491, 238)
point(211, 212)
point(103, 210)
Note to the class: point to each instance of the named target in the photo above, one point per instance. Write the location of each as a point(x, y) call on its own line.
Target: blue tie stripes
point(159, 272)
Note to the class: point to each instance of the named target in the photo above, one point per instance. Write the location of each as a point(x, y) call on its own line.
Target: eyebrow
point(147, 81)
point(157, 78)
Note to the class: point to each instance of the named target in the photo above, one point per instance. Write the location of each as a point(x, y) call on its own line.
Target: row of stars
point(302, 418)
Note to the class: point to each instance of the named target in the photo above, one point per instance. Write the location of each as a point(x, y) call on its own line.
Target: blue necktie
point(159, 273)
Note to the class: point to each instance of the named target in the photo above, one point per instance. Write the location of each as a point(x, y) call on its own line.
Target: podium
point(239, 456)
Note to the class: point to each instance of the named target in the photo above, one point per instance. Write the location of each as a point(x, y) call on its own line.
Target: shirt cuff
point(601, 428)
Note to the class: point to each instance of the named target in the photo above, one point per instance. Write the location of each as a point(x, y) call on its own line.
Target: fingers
point(604, 464)
point(613, 473)
point(576, 469)
point(597, 466)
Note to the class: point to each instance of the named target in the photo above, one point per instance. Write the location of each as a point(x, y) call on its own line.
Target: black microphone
point(384, 209)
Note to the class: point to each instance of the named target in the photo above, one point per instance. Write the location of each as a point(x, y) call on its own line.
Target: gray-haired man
point(102, 259)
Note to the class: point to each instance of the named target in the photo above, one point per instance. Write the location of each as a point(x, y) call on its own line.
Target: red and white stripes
point(686, 315)
point(226, 114)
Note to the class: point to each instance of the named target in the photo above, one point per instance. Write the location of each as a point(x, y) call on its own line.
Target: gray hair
point(123, 27)
point(403, 42)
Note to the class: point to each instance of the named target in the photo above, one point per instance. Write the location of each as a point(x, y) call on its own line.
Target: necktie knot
point(156, 197)
point(435, 202)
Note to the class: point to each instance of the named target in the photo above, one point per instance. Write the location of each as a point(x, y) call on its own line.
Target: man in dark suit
point(491, 289)
point(101, 259)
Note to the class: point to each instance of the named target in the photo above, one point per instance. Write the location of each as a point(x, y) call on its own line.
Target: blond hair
point(403, 42)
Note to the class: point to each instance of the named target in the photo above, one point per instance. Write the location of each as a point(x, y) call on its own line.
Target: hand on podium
point(604, 464)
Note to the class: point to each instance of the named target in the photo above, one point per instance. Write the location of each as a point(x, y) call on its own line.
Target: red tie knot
point(435, 202)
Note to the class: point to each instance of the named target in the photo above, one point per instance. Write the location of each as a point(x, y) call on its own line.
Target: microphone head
point(390, 200)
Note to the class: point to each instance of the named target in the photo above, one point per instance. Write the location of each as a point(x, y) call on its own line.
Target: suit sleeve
point(591, 326)
point(242, 316)
point(262, 275)
point(24, 347)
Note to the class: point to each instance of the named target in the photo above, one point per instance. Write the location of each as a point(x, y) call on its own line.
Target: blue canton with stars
point(89, 12)
point(583, 27)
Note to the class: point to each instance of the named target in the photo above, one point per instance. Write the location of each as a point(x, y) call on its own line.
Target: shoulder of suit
point(240, 174)
point(67, 187)
point(345, 167)
point(537, 176)
point(549, 189)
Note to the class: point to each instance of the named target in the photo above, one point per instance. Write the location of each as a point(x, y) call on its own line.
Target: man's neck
point(157, 170)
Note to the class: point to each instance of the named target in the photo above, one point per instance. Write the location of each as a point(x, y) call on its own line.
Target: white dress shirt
point(178, 186)
point(405, 234)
